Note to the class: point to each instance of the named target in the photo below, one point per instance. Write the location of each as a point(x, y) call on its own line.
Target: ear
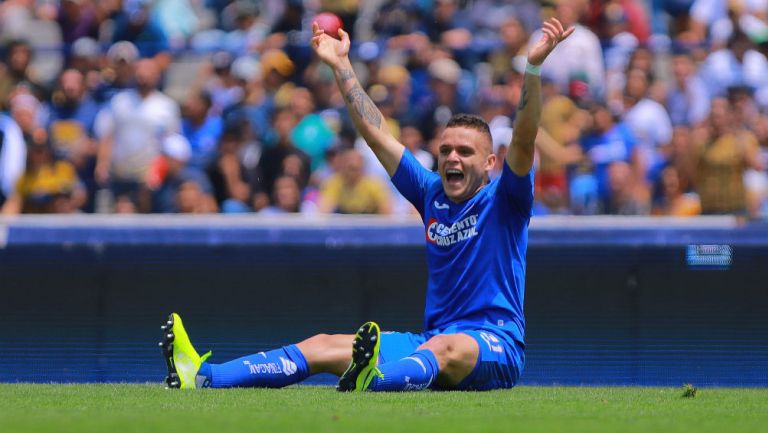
point(490, 162)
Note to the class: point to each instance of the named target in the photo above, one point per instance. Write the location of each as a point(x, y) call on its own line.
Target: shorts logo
point(492, 341)
point(445, 236)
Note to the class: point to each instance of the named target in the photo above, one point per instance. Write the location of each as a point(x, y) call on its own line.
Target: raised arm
point(520, 155)
point(369, 121)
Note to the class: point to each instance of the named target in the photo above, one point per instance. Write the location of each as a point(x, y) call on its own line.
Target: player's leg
point(455, 355)
point(283, 366)
point(372, 349)
point(327, 353)
point(444, 359)
point(471, 360)
point(498, 364)
point(274, 369)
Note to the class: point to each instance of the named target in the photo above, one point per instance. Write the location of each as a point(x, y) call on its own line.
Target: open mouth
point(454, 175)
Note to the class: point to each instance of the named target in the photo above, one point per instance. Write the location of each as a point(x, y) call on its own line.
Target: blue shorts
point(499, 362)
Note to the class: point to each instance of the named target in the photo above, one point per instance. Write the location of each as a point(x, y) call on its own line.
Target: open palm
point(329, 49)
point(552, 34)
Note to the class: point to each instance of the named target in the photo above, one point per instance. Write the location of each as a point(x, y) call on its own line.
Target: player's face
point(464, 160)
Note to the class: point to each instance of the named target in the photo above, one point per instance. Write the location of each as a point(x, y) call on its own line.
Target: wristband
point(532, 69)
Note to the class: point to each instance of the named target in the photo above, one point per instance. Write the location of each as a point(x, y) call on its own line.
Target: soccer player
point(477, 235)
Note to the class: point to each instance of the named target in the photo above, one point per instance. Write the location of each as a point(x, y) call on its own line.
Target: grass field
point(151, 408)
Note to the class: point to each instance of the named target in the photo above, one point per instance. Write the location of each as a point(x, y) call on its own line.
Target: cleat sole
point(364, 349)
point(166, 348)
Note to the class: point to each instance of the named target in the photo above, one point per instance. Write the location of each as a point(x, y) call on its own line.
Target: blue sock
point(274, 369)
point(412, 373)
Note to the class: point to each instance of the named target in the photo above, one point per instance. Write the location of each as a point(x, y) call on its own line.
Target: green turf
point(150, 408)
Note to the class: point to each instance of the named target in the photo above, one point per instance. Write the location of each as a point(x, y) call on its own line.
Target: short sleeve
point(517, 190)
point(413, 180)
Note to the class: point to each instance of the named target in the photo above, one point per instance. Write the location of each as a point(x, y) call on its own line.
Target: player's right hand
point(330, 50)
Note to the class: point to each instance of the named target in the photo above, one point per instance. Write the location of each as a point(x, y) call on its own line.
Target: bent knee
point(456, 356)
point(452, 350)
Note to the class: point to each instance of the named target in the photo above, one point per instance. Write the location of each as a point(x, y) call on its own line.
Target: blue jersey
point(475, 249)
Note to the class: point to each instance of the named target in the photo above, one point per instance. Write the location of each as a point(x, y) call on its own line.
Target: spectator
point(126, 204)
point(13, 154)
point(585, 56)
point(86, 58)
point(687, 97)
point(72, 116)
point(647, 119)
point(177, 19)
point(70, 125)
point(449, 27)
point(134, 23)
point(271, 162)
point(255, 106)
point(397, 81)
point(672, 199)
point(626, 195)
point(443, 99)
point(611, 17)
point(286, 197)
point(725, 151)
point(119, 72)
point(191, 199)
point(715, 19)
point(418, 63)
point(223, 86)
point(350, 191)
point(16, 72)
point(47, 185)
point(683, 156)
point(313, 136)
point(413, 140)
point(235, 188)
point(584, 190)
point(77, 19)
point(513, 40)
point(737, 65)
point(745, 109)
point(606, 142)
point(201, 128)
point(562, 122)
point(347, 10)
point(170, 173)
point(277, 68)
point(27, 111)
point(131, 128)
point(249, 32)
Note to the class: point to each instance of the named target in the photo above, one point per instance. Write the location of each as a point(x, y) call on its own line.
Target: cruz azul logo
point(444, 236)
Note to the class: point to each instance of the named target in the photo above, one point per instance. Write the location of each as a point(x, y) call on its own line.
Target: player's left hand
point(552, 34)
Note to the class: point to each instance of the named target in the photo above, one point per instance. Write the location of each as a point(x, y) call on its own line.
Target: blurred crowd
point(652, 107)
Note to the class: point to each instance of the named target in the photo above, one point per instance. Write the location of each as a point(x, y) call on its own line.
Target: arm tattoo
point(523, 98)
point(363, 105)
point(346, 75)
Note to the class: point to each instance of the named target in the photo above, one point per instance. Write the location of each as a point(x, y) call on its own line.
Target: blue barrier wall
point(609, 301)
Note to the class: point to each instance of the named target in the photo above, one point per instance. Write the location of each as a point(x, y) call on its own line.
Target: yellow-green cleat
point(365, 358)
point(181, 358)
